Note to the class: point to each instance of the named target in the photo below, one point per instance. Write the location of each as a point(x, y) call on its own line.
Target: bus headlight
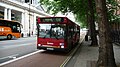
point(39, 44)
point(61, 44)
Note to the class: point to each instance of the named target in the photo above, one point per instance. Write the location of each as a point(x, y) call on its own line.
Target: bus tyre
point(9, 36)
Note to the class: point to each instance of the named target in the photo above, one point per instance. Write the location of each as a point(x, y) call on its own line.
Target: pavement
point(86, 55)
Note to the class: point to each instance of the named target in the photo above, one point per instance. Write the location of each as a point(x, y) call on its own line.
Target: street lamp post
point(29, 18)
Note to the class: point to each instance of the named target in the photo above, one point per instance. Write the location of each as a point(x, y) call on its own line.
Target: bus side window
point(70, 31)
point(14, 27)
point(18, 29)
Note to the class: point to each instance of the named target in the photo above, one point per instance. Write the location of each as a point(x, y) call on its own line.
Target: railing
point(115, 32)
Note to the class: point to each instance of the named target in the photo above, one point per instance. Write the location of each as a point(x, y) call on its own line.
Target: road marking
point(16, 45)
point(73, 52)
point(20, 57)
point(11, 56)
point(69, 57)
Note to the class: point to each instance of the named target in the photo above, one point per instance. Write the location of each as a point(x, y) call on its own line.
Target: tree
point(106, 54)
point(91, 21)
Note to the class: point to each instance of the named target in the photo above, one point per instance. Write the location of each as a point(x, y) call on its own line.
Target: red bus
point(57, 33)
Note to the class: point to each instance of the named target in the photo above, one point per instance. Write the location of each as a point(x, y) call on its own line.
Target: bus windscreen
point(51, 31)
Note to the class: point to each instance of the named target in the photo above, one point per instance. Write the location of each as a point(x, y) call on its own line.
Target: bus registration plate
point(50, 49)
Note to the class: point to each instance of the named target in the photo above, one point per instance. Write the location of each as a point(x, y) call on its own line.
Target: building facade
point(118, 8)
point(24, 11)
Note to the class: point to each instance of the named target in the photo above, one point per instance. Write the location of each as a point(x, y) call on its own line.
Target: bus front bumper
point(51, 48)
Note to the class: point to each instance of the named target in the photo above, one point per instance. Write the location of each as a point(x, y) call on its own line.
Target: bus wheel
point(9, 36)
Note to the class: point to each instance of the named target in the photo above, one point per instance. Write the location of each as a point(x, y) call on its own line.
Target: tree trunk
point(106, 54)
point(92, 23)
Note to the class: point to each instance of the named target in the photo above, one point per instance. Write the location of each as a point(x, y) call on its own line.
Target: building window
point(27, 1)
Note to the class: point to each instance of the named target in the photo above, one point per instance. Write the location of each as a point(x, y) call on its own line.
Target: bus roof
point(60, 17)
point(10, 21)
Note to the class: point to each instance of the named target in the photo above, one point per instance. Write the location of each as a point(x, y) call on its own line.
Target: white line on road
point(20, 57)
point(16, 45)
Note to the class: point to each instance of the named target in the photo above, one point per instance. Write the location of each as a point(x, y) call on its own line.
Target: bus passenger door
point(70, 37)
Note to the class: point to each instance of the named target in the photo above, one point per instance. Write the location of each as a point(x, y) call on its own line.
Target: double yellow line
point(70, 56)
point(72, 52)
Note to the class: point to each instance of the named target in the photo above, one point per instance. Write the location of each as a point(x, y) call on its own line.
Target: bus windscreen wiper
point(44, 37)
point(56, 37)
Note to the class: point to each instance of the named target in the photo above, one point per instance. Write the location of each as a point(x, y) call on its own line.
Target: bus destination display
point(51, 19)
